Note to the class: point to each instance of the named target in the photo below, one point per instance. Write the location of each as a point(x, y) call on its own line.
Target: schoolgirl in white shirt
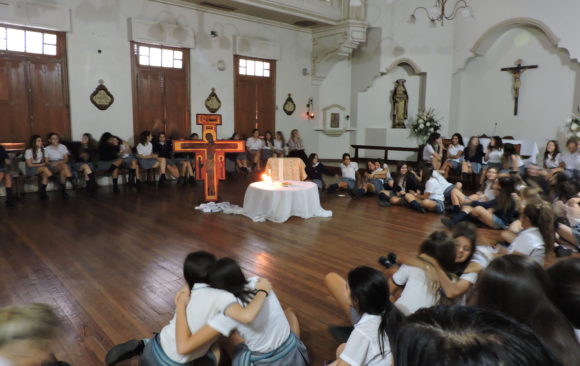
point(454, 154)
point(433, 150)
point(552, 159)
point(374, 180)
point(348, 180)
point(254, 146)
point(37, 164)
point(493, 154)
point(511, 160)
point(433, 197)
point(268, 148)
point(149, 160)
point(486, 193)
point(58, 160)
point(279, 145)
point(571, 158)
point(537, 236)
point(269, 338)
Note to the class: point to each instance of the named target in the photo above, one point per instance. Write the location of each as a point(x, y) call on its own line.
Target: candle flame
point(266, 178)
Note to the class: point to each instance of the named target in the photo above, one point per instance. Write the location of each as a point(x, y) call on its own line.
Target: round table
point(272, 201)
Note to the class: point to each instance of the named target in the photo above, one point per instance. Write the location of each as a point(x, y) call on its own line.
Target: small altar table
point(272, 201)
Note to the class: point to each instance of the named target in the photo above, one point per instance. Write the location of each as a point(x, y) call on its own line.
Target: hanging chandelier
point(438, 13)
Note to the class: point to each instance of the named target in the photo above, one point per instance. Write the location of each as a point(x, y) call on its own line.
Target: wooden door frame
point(60, 57)
point(135, 66)
point(272, 77)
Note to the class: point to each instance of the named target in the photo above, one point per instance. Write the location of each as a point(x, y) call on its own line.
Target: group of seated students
point(260, 149)
point(456, 302)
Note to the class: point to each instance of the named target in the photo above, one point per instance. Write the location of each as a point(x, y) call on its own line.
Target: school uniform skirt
point(291, 353)
point(32, 171)
point(127, 161)
point(154, 355)
point(104, 165)
point(447, 193)
point(171, 161)
point(78, 165)
point(147, 163)
point(52, 165)
point(267, 154)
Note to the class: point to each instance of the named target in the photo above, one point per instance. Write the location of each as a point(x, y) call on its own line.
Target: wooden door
point(255, 95)
point(160, 92)
point(15, 125)
point(33, 85)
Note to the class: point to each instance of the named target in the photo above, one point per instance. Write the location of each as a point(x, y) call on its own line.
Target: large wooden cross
point(209, 153)
point(517, 82)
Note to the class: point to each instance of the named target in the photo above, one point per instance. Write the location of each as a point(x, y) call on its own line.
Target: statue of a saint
point(400, 100)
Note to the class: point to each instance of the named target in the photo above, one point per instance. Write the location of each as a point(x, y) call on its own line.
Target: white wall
point(102, 25)
point(546, 94)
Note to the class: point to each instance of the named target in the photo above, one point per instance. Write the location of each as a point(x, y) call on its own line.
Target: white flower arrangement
point(573, 126)
point(425, 123)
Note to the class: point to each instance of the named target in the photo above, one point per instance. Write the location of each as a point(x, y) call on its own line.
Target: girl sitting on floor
point(37, 164)
point(196, 304)
point(349, 171)
point(374, 180)
point(405, 181)
point(149, 160)
point(375, 330)
point(498, 213)
point(537, 235)
point(486, 193)
point(433, 150)
point(454, 155)
point(314, 171)
point(433, 197)
point(271, 338)
point(511, 160)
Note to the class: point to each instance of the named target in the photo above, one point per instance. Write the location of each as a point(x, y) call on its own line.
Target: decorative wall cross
point(517, 82)
point(209, 153)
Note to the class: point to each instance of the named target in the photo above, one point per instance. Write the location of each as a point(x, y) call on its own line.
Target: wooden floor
point(112, 264)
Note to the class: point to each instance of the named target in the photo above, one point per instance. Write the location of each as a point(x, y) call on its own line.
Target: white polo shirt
point(254, 143)
point(205, 303)
point(444, 183)
point(452, 150)
point(428, 152)
point(416, 294)
point(350, 170)
point(530, 242)
point(494, 156)
point(266, 333)
point(56, 153)
point(434, 189)
point(554, 163)
point(39, 156)
point(279, 145)
point(145, 150)
point(362, 347)
point(571, 160)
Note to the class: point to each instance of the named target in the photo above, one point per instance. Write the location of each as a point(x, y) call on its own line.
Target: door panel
point(245, 116)
point(176, 108)
point(14, 109)
point(149, 94)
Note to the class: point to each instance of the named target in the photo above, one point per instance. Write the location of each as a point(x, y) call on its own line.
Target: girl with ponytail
point(537, 235)
point(373, 337)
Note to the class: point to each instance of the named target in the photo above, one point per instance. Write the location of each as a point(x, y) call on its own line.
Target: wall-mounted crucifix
point(517, 82)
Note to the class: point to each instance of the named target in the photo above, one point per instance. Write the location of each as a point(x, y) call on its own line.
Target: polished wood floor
point(111, 264)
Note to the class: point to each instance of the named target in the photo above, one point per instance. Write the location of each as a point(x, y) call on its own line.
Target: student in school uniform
point(37, 164)
point(486, 192)
point(58, 162)
point(129, 160)
point(6, 177)
point(242, 157)
point(374, 180)
point(279, 145)
point(186, 162)
point(272, 338)
point(520, 288)
point(84, 156)
point(454, 155)
point(447, 335)
point(433, 150)
point(504, 208)
point(433, 197)
point(268, 149)
point(349, 170)
point(565, 276)
point(296, 146)
point(314, 171)
point(371, 342)
point(404, 181)
point(493, 154)
point(473, 160)
point(109, 160)
point(149, 160)
point(511, 160)
point(552, 159)
point(254, 146)
point(537, 235)
point(164, 149)
point(571, 159)
point(196, 303)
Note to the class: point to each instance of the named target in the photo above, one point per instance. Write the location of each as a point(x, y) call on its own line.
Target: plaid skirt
point(291, 353)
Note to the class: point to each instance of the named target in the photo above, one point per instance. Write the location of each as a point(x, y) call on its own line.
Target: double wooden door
point(255, 97)
point(161, 99)
point(33, 96)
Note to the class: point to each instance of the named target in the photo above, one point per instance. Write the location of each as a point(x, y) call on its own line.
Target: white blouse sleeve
point(401, 277)
point(356, 350)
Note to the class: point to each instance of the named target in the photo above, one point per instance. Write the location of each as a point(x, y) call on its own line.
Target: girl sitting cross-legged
point(458, 199)
point(498, 213)
point(349, 170)
point(270, 338)
point(433, 198)
point(404, 182)
point(374, 180)
point(37, 164)
point(314, 170)
point(196, 304)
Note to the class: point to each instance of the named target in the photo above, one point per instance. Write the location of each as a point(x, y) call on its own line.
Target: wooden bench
point(386, 149)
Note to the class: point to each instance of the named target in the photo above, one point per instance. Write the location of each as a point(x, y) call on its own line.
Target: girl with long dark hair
point(164, 149)
point(433, 150)
point(455, 152)
point(37, 164)
point(433, 197)
point(404, 182)
point(493, 154)
point(109, 160)
point(58, 161)
point(519, 287)
point(149, 160)
point(314, 170)
point(84, 154)
point(271, 337)
point(268, 148)
point(254, 145)
point(565, 276)
point(511, 160)
point(552, 159)
point(279, 145)
point(537, 235)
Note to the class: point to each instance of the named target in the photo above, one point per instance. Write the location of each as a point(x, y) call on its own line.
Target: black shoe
point(116, 190)
point(64, 195)
point(388, 261)
point(162, 180)
point(332, 188)
point(124, 351)
point(340, 333)
point(192, 181)
point(384, 203)
point(447, 221)
point(562, 251)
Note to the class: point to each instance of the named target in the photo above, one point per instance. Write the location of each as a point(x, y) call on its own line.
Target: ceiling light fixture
point(438, 13)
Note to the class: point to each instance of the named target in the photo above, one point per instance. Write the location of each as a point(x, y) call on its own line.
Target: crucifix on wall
point(209, 153)
point(517, 82)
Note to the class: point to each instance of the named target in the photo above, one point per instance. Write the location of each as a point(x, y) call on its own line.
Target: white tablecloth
point(266, 201)
point(528, 147)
